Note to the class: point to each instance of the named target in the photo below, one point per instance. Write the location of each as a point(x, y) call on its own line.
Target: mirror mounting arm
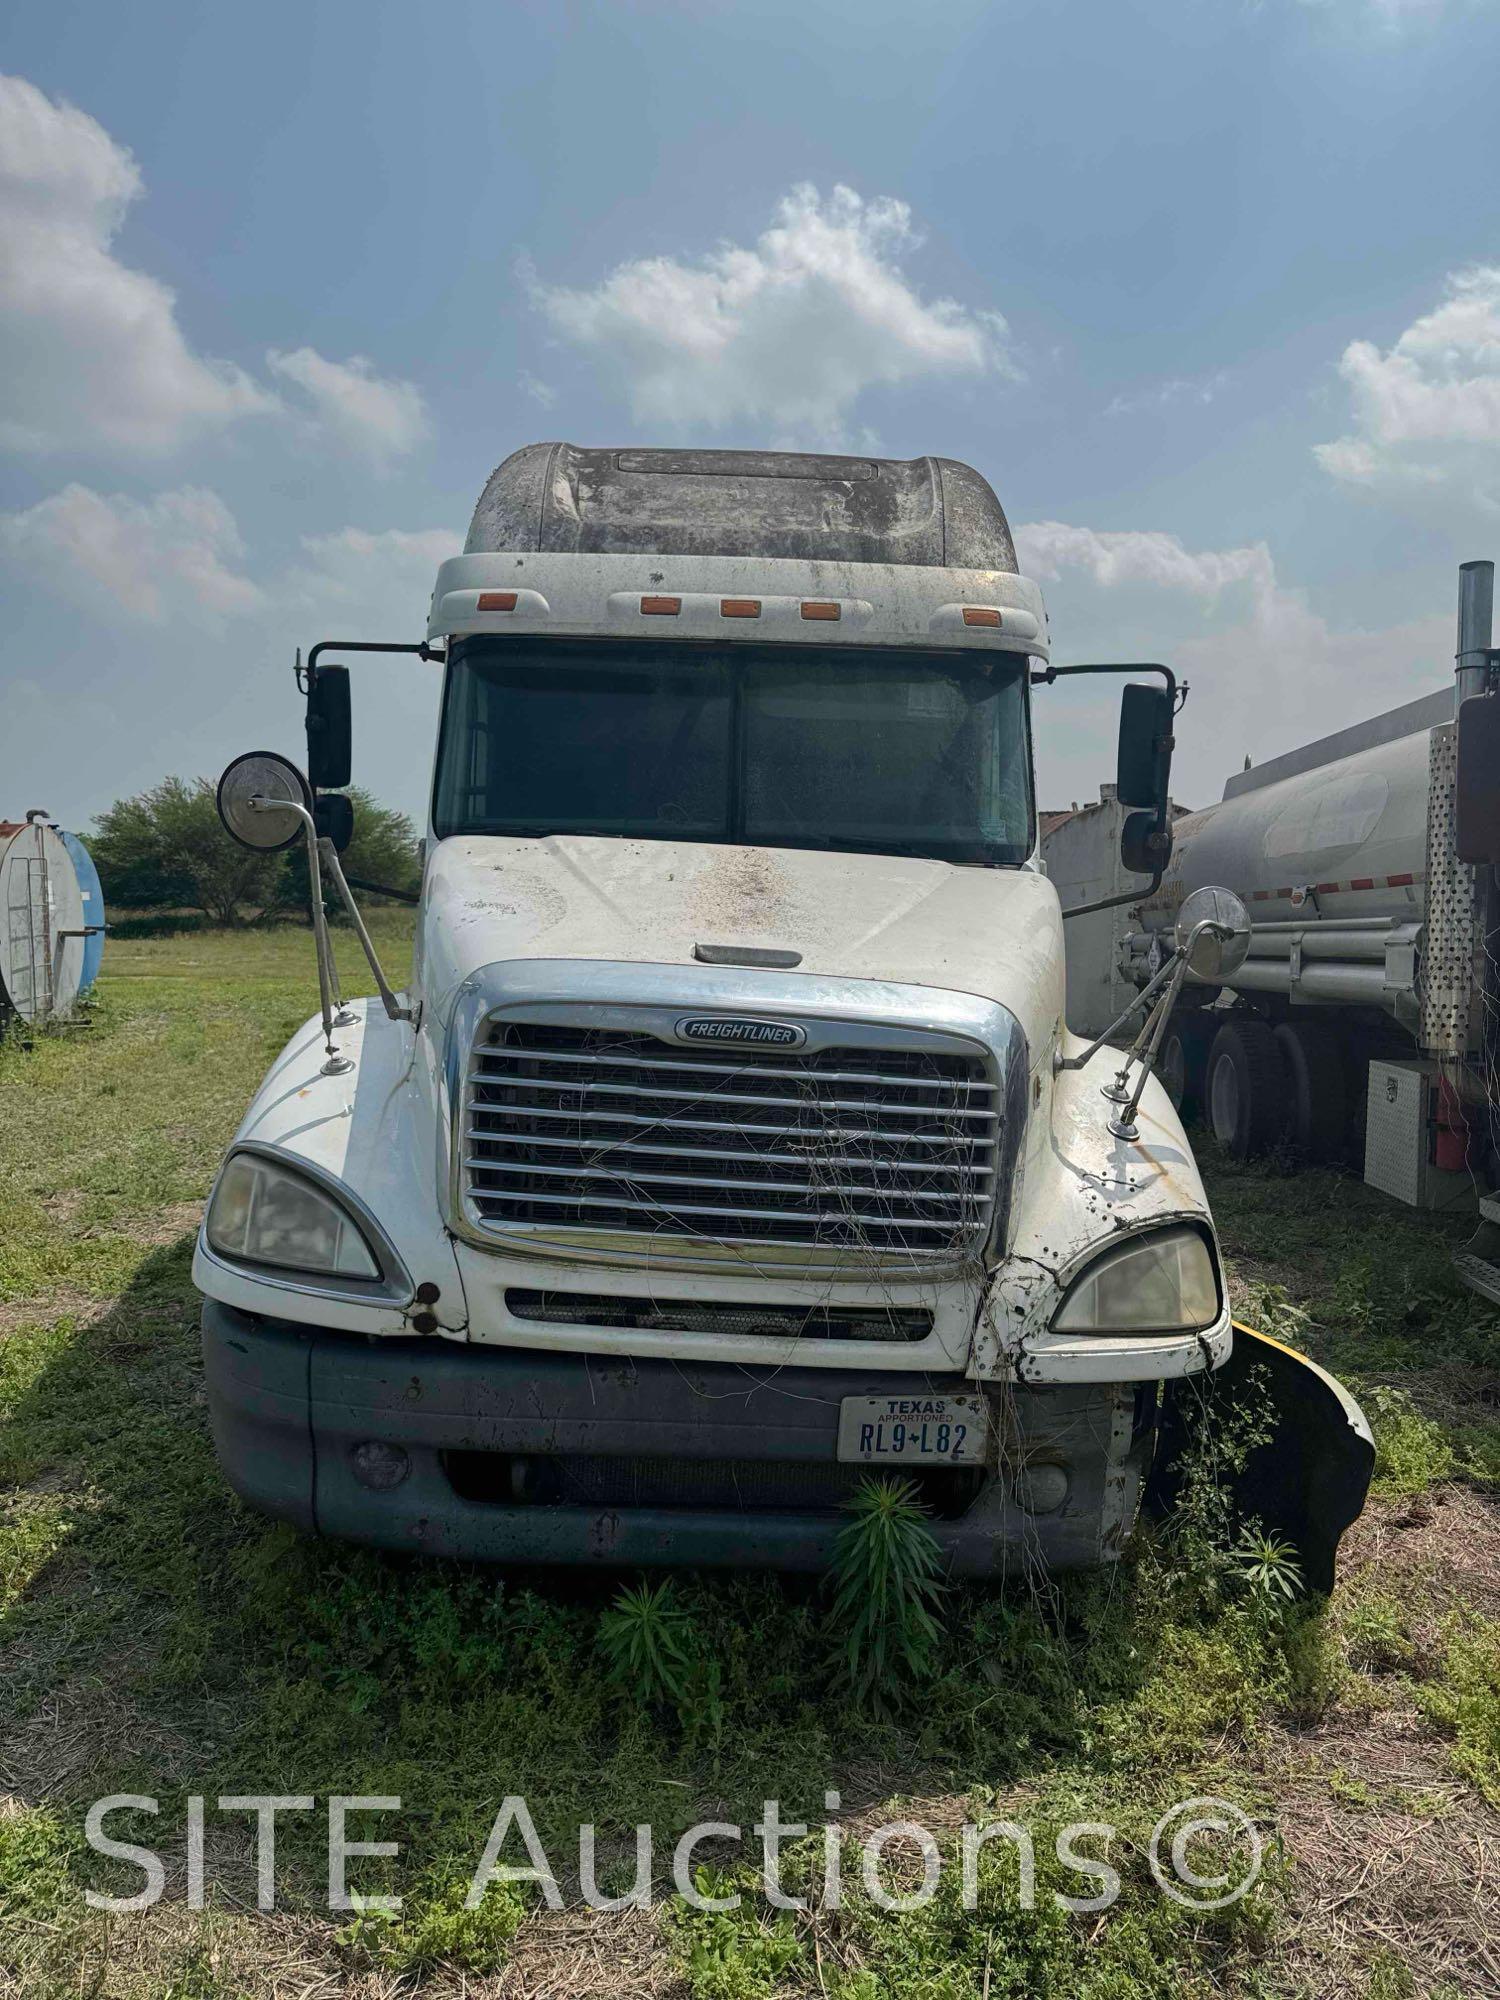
point(335, 1064)
point(304, 676)
point(1136, 895)
point(394, 1010)
point(1143, 1050)
point(1148, 1041)
point(1060, 1063)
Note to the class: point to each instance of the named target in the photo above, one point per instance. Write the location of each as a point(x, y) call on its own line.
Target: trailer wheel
point(1247, 1088)
point(1313, 1053)
point(1184, 1061)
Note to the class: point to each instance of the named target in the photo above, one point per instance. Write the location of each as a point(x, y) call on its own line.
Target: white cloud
point(1110, 556)
point(179, 555)
point(541, 393)
point(791, 331)
point(1266, 670)
point(377, 583)
point(1196, 390)
point(170, 556)
point(1427, 409)
point(139, 581)
point(90, 350)
point(369, 413)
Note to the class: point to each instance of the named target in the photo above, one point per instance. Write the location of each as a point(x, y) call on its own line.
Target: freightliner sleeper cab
point(721, 1151)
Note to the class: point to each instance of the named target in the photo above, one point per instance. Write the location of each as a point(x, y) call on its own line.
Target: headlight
point(263, 1214)
point(1161, 1283)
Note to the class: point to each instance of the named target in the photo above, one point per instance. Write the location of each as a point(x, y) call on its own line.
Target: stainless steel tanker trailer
point(1362, 1023)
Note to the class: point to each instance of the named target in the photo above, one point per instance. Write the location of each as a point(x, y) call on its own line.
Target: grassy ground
point(157, 1639)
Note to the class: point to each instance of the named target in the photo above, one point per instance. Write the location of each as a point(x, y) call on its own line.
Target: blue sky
point(1210, 291)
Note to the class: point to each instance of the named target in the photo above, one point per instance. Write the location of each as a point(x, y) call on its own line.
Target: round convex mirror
point(261, 774)
point(1215, 958)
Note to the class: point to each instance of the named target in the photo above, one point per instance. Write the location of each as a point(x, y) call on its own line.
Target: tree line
point(165, 849)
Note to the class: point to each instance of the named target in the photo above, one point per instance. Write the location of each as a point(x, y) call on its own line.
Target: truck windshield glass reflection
point(843, 747)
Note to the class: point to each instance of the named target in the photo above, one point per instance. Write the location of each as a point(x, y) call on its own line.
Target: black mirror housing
point(1477, 791)
point(329, 729)
point(1144, 848)
point(333, 816)
point(1143, 766)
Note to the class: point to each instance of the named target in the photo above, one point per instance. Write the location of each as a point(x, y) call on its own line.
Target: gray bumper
point(720, 1466)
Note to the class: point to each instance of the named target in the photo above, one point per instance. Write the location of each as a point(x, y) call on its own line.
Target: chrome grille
point(893, 1151)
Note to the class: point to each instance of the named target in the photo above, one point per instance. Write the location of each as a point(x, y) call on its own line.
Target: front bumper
point(524, 1456)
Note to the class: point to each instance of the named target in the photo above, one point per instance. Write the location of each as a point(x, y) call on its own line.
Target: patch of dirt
point(1419, 1877)
point(586, 1955)
point(276, 1956)
point(166, 1225)
point(1250, 1273)
point(1390, 1849)
point(83, 1725)
point(1441, 1548)
point(1456, 1394)
point(273, 1956)
point(65, 1207)
point(48, 1308)
point(157, 1230)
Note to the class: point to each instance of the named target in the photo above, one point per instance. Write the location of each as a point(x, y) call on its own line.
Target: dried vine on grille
point(893, 1152)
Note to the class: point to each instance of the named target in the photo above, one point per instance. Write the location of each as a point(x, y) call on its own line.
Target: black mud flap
point(1308, 1484)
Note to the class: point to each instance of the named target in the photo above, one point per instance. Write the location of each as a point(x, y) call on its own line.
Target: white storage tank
point(43, 927)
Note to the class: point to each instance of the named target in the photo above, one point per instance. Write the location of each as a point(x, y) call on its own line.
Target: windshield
point(818, 746)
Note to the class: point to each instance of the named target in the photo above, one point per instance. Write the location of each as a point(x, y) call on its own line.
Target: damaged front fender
point(1307, 1483)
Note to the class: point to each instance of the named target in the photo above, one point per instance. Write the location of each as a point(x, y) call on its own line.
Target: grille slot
point(775, 1322)
point(886, 1151)
point(748, 1486)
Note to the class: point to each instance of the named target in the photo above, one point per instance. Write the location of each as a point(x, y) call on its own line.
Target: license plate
point(912, 1430)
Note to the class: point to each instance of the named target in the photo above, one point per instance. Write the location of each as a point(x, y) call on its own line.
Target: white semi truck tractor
point(727, 1145)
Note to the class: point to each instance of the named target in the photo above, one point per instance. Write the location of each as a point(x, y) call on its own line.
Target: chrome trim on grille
point(912, 1180)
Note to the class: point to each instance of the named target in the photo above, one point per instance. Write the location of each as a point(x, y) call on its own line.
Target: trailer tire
point(1318, 1099)
point(1246, 1090)
point(1183, 1067)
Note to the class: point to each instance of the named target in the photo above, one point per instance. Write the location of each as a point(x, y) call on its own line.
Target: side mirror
point(329, 737)
point(1143, 766)
point(1144, 847)
point(1214, 955)
point(276, 781)
point(333, 816)
point(1477, 792)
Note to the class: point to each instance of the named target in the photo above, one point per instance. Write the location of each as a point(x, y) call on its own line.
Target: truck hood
point(992, 932)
